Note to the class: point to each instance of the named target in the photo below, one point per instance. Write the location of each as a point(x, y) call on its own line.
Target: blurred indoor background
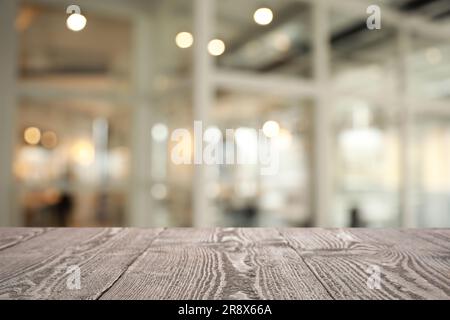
point(363, 115)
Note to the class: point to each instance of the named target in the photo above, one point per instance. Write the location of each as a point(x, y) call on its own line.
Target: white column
point(406, 114)
point(204, 15)
point(322, 118)
point(140, 199)
point(8, 78)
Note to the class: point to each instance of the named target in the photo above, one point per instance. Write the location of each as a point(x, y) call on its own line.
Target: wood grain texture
point(37, 269)
point(218, 264)
point(12, 236)
point(410, 268)
point(225, 263)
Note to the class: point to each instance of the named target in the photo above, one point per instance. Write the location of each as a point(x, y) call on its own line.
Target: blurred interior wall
point(8, 87)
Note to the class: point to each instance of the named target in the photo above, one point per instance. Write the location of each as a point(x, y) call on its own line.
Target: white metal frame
point(139, 196)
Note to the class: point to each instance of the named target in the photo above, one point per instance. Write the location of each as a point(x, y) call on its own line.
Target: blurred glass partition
point(96, 59)
point(429, 68)
point(172, 53)
point(358, 116)
point(97, 107)
point(432, 165)
point(363, 61)
point(250, 191)
point(72, 161)
point(265, 37)
point(172, 182)
point(72, 155)
point(367, 174)
point(428, 76)
point(364, 74)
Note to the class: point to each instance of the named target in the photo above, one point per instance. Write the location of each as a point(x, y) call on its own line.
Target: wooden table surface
point(224, 263)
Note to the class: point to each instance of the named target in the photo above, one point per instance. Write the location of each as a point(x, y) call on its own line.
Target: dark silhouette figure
point(355, 218)
point(63, 209)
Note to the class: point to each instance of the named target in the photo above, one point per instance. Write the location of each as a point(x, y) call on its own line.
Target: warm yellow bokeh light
point(184, 40)
point(83, 152)
point(76, 22)
point(263, 16)
point(32, 135)
point(271, 129)
point(216, 47)
point(284, 139)
point(49, 139)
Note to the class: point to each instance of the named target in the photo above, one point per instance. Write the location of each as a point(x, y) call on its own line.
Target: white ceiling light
point(271, 129)
point(76, 22)
point(216, 47)
point(263, 16)
point(184, 40)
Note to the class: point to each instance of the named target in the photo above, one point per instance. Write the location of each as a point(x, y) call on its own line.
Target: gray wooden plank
point(438, 237)
point(424, 259)
point(37, 269)
point(19, 258)
point(403, 239)
point(225, 263)
point(218, 264)
point(426, 249)
point(12, 236)
point(317, 240)
point(342, 259)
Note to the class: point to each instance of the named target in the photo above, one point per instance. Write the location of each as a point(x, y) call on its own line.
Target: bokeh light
point(184, 40)
point(83, 152)
point(49, 139)
point(160, 132)
point(271, 129)
point(32, 135)
point(216, 47)
point(76, 22)
point(263, 16)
